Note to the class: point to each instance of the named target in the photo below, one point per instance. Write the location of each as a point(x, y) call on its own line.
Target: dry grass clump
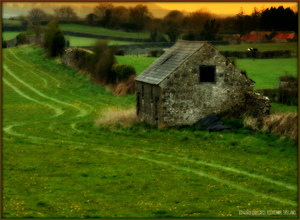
point(279, 124)
point(113, 117)
point(127, 87)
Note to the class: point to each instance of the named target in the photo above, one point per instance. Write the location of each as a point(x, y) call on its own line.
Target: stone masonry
point(181, 98)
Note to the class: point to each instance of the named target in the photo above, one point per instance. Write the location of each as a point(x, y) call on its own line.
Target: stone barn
point(189, 81)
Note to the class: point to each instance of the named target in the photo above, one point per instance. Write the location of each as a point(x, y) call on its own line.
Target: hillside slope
point(57, 164)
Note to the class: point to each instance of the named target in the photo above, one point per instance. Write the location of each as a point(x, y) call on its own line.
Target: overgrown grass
point(56, 163)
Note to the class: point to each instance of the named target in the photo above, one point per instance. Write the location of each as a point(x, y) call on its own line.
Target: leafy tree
point(91, 19)
point(194, 24)
point(119, 15)
point(37, 15)
point(25, 22)
point(139, 15)
point(54, 41)
point(65, 13)
point(155, 29)
point(278, 19)
point(173, 24)
point(210, 30)
point(104, 59)
point(239, 23)
point(103, 9)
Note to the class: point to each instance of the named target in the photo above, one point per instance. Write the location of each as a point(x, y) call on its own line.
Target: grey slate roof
point(169, 61)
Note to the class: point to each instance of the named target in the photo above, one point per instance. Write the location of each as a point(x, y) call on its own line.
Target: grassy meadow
point(102, 31)
point(8, 35)
point(57, 163)
point(265, 72)
point(260, 46)
point(85, 41)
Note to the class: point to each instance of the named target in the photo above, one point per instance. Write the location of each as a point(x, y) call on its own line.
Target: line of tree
point(197, 25)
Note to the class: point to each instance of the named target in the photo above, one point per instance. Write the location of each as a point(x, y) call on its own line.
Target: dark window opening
point(207, 73)
point(142, 91)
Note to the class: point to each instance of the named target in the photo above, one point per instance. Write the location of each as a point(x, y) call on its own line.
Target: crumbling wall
point(34, 39)
point(257, 105)
point(68, 58)
point(11, 43)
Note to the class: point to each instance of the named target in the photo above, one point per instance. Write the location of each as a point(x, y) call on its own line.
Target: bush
point(105, 59)
point(288, 89)
point(257, 54)
point(120, 52)
point(155, 53)
point(54, 41)
point(84, 60)
point(21, 38)
point(122, 71)
point(4, 43)
point(161, 38)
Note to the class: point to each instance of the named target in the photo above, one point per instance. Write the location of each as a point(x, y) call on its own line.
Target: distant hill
point(13, 9)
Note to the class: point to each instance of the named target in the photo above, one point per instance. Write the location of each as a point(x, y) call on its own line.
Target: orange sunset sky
point(226, 7)
point(82, 8)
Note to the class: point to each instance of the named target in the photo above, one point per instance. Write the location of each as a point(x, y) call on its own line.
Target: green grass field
point(57, 164)
point(139, 63)
point(85, 41)
point(260, 46)
point(265, 72)
point(102, 31)
point(8, 35)
point(11, 22)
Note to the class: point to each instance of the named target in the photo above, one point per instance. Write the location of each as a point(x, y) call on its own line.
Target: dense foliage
point(54, 41)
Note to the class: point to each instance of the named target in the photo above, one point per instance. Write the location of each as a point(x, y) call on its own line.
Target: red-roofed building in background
point(284, 37)
point(253, 38)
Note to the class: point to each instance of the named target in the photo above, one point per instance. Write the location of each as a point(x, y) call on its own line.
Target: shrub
point(54, 41)
point(21, 38)
point(288, 89)
point(120, 52)
point(84, 60)
point(155, 53)
point(257, 54)
point(105, 60)
point(161, 38)
point(4, 43)
point(122, 71)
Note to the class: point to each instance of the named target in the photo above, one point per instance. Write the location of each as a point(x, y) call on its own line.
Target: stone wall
point(11, 43)
point(68, 58)
point(257, 104)
point(186, 99)
point(33, 39)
